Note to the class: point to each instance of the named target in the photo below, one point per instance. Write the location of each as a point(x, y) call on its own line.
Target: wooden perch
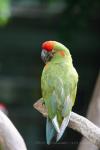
point(78, 123)
point(93, 114)
point(10, 138)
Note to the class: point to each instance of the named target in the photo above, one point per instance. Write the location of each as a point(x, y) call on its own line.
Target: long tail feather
point(63, 127)
point(50, 131)
point(55, 123)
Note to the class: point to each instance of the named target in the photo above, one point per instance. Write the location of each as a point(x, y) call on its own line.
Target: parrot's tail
point(63, 126)
point(50, 130)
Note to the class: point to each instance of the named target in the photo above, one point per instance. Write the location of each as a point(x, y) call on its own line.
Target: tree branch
point(10, 138)
point(78, 123)
point(93, 114)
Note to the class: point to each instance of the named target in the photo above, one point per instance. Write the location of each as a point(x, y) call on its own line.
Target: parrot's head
point(47, 51)
point(50, 48)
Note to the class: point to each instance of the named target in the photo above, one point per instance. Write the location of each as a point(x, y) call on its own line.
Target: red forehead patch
point(48, 45)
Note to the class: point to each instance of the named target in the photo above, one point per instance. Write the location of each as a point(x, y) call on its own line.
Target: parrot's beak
point(46, 56)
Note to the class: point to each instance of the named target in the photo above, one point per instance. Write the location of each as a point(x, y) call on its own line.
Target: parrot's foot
point(43, 103)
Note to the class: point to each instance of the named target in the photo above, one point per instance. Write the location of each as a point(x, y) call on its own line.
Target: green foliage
point(5, 11)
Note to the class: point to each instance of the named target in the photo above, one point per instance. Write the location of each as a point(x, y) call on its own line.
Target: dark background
point(76, 24)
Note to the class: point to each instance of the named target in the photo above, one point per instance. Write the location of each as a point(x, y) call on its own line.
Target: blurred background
point(24, 25)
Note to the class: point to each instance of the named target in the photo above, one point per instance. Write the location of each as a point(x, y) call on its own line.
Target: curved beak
point(45, 56)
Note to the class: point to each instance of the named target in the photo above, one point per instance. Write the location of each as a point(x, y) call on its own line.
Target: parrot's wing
point(67, 106)
point(54, 102)
point(50, 130)
point(66, 114)
point(52, 110)
point(52, 125)
point(51, 104)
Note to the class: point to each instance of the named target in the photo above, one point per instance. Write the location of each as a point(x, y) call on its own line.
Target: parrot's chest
point(54, 76)
point(57, 75)
point(60, 70)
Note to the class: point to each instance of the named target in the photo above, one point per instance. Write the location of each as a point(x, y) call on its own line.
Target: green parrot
point(59, 86)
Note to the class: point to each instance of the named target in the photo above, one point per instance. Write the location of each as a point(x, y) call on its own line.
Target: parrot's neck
point(62, 56)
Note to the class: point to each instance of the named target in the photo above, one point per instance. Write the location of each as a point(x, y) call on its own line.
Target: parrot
point(58, 87)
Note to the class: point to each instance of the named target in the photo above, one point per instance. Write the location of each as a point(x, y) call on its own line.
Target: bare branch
point(10, 138)
point(78, 123)
point(93, 114)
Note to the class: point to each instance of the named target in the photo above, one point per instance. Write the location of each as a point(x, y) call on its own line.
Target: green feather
point(51, 104)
